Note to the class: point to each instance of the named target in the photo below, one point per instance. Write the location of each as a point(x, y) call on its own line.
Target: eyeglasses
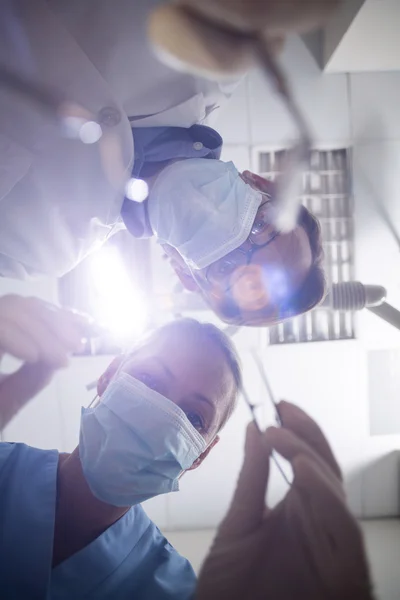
point(262, 234)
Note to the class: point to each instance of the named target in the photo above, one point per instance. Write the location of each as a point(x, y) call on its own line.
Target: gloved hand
point(309, 546)
point(276, 17)
point(207, 36)
point(41, 335)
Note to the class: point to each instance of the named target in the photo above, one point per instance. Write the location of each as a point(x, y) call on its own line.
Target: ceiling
point(363, 36)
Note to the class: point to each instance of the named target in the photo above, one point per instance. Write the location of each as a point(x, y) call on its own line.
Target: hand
point(207, 36)
point(41, 335)
point(275, 17)
point(309, 546)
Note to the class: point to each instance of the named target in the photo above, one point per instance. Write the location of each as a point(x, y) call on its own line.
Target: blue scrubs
point(130, 561)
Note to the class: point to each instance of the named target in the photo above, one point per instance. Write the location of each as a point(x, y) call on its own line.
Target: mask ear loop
point(97, 397)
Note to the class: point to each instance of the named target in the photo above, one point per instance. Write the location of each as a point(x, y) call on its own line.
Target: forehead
point(197, 362)
point(291, 253)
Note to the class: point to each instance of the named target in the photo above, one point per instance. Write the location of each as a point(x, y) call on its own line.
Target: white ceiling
point(363, 36)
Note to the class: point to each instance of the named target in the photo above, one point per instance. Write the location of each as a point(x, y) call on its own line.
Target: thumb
point(248, 504)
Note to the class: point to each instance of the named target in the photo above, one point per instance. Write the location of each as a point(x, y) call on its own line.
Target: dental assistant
point(66, 527)
point(72, 525)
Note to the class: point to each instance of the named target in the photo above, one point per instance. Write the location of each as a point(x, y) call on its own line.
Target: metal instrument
point(253, 408)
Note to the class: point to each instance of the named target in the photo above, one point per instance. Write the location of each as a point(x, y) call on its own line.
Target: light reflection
point(118, 305)
point(249, 289)
point(136, 190)
point(90, 132)
point(276, 279)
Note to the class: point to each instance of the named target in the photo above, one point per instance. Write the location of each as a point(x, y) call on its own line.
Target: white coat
point(60, 198)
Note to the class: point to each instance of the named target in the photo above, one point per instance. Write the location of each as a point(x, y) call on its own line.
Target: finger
point(69, 327)
point(325, 499)
point(49, 349)
point(273, 15)
point(39, 333)
point(295, 419)
point(331, 534)
point(14, 341)
point(248, 504)
point(276, 43)
point(290, 446)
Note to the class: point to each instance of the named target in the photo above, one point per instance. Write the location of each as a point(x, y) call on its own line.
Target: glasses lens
point(263, 231)
point(222, 270)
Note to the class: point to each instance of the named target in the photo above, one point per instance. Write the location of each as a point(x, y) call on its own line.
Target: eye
point(196, 420)
point(226, 266)
point(259, 225)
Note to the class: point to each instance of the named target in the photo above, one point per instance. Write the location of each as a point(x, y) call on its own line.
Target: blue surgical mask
point(135, 443)
point(203, 208)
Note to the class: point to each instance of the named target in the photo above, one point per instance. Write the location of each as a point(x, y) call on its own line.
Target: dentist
point(61, 198)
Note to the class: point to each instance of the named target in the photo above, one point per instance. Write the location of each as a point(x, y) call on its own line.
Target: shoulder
point(6, 449)
point(14, 456)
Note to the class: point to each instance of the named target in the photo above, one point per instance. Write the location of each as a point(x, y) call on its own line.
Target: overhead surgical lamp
point(354, 296)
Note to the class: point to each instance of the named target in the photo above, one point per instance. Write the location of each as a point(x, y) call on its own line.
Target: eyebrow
point(202, 398)
point(164, 367)
point(195, 396)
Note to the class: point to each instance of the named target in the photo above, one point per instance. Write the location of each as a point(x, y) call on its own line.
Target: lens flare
point(118, 305)
point(249, 289)
point(277, 281)
point(137, 190)
point(90, 132)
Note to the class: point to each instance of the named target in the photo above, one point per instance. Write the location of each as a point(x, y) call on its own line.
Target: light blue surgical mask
point(135, 443)
point(203, 208)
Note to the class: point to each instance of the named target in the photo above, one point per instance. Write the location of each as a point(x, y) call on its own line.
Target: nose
point(249, 289)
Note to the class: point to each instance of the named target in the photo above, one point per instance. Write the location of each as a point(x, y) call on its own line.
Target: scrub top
point(130, 560)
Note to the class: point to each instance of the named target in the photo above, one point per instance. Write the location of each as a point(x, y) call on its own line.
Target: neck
point(80, 516)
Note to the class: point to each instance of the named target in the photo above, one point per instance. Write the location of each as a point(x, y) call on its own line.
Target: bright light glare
point(119, 306)
point(137, 190)
point(90, 132)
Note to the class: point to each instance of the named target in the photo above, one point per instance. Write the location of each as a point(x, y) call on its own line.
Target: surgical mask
point(135, 443)
point(203, 208)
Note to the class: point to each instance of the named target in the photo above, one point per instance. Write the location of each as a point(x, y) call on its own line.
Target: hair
point(218, 337)
point(314, 288)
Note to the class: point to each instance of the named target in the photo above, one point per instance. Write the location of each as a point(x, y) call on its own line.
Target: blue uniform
point(130, 561)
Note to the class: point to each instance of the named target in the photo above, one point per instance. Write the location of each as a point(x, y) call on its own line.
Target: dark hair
point(219, 338)
point(314, 288)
